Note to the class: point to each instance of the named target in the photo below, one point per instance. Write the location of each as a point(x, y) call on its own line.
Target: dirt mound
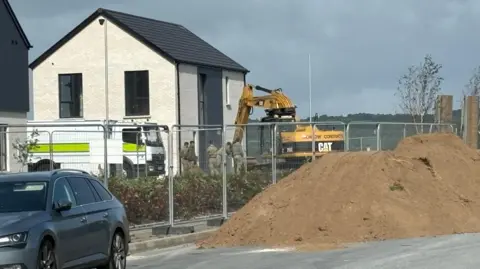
point(428, 186)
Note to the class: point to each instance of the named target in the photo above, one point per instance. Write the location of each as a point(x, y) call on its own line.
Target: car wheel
point(118, 255)
point(46, 256)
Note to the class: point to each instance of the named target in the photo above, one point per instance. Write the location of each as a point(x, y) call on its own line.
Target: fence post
point(313, 126)
point(224, 175)
point(273, 129)
point(50, 148)
point(347, 137)
point(105, 156)
point(170, 176)
point(379, 143)
point(137, 154)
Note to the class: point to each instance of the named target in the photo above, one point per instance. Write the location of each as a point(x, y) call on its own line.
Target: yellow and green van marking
point(77, 148)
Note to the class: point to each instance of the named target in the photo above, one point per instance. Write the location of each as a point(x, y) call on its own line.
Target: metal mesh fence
point(191, 172)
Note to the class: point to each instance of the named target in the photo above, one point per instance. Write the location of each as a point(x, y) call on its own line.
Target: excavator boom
point(277, 106)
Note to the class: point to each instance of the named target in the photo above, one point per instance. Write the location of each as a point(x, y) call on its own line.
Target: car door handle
point(105, 215)
point(83, 220)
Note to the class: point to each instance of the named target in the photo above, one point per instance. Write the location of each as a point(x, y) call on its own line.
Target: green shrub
point(145, 199)
point(195, 194)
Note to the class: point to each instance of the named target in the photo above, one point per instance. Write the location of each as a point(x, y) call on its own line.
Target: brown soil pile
point(429, 185)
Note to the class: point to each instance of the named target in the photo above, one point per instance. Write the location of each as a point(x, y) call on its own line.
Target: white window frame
point(227, 91)
point(4, 151)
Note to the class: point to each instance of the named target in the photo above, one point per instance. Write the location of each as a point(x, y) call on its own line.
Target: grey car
point(60, 219)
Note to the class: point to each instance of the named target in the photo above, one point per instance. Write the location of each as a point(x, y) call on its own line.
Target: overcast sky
point(359, 48)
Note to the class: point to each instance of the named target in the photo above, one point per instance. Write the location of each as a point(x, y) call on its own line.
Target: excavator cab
point(266, 132)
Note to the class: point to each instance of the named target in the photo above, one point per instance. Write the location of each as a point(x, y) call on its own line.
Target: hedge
point(195, 194)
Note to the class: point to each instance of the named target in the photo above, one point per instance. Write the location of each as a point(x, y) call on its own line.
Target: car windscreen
point(22, 196)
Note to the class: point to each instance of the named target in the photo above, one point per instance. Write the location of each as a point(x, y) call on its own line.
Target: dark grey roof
point(171, 40)
point(17, 24)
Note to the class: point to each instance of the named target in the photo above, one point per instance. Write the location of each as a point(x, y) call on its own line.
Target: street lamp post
point(310, 87)
point(103, 23)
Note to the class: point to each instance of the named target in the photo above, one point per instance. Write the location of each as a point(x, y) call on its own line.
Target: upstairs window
point(227, 91)
point(3, 147)
point(70, 95)
point(137, 93)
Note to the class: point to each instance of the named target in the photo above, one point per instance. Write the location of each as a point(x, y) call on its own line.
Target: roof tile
point(172, 40)
point(177, 41)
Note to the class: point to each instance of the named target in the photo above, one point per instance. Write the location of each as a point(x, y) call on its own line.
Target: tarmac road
point(450, 252)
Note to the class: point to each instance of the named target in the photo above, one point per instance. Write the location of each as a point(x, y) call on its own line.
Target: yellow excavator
point(294, 145)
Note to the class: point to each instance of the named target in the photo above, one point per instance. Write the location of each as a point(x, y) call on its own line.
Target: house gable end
point(17, 24)
point(83, 25)
point(155, 35)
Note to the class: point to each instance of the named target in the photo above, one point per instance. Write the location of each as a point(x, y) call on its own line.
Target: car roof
point(36, 176)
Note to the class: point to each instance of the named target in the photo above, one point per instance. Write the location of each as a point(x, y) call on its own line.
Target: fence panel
point(366, 143)
point(249, 166)
point(299, 142)
point(391, 133)
point(198, 178)
point(137, 158)
point(56, 145)
point(361, 136)
point(22, 150)
point(331, 137)
point(294, 146)
point(127, 152)
point(78, 148)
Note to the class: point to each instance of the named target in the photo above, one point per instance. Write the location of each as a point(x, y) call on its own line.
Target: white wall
point(84, 54)
point(30, 94)
point(14, 133)
point(231, 96)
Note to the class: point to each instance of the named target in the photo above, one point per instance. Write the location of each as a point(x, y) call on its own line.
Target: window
point(23, 196)
point(102, 192)
point(137, 95)
point(202, 80)
point(3, 148)
point(227, 91)
point(132, 136)
point(63, 192)
point(83, 192)
point(95, 194)
point(70, 95)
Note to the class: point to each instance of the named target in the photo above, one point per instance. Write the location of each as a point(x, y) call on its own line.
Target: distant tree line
point(417, 92)
point(429, 118)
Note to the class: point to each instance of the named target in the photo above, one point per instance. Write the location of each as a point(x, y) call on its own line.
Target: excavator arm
point(277, 106)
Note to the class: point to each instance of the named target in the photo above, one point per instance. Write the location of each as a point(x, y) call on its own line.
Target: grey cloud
point(359, 48)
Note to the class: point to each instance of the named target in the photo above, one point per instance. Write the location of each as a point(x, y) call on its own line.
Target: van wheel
point(127, 170)
point(47, 258)
point(43, 167)
point(118, 254)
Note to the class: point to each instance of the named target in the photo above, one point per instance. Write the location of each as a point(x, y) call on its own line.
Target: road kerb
point(170, 241)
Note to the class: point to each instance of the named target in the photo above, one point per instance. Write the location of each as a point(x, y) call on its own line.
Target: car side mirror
point(62, 205)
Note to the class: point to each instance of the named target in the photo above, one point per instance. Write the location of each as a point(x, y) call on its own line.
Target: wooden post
point(471, 121)
point(444, 112)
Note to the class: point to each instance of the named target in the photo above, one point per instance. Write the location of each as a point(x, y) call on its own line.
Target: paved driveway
point(449, 252)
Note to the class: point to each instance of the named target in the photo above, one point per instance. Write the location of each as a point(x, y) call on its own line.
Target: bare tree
point(23, 154)
point(418, 89)
point(472, 88)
